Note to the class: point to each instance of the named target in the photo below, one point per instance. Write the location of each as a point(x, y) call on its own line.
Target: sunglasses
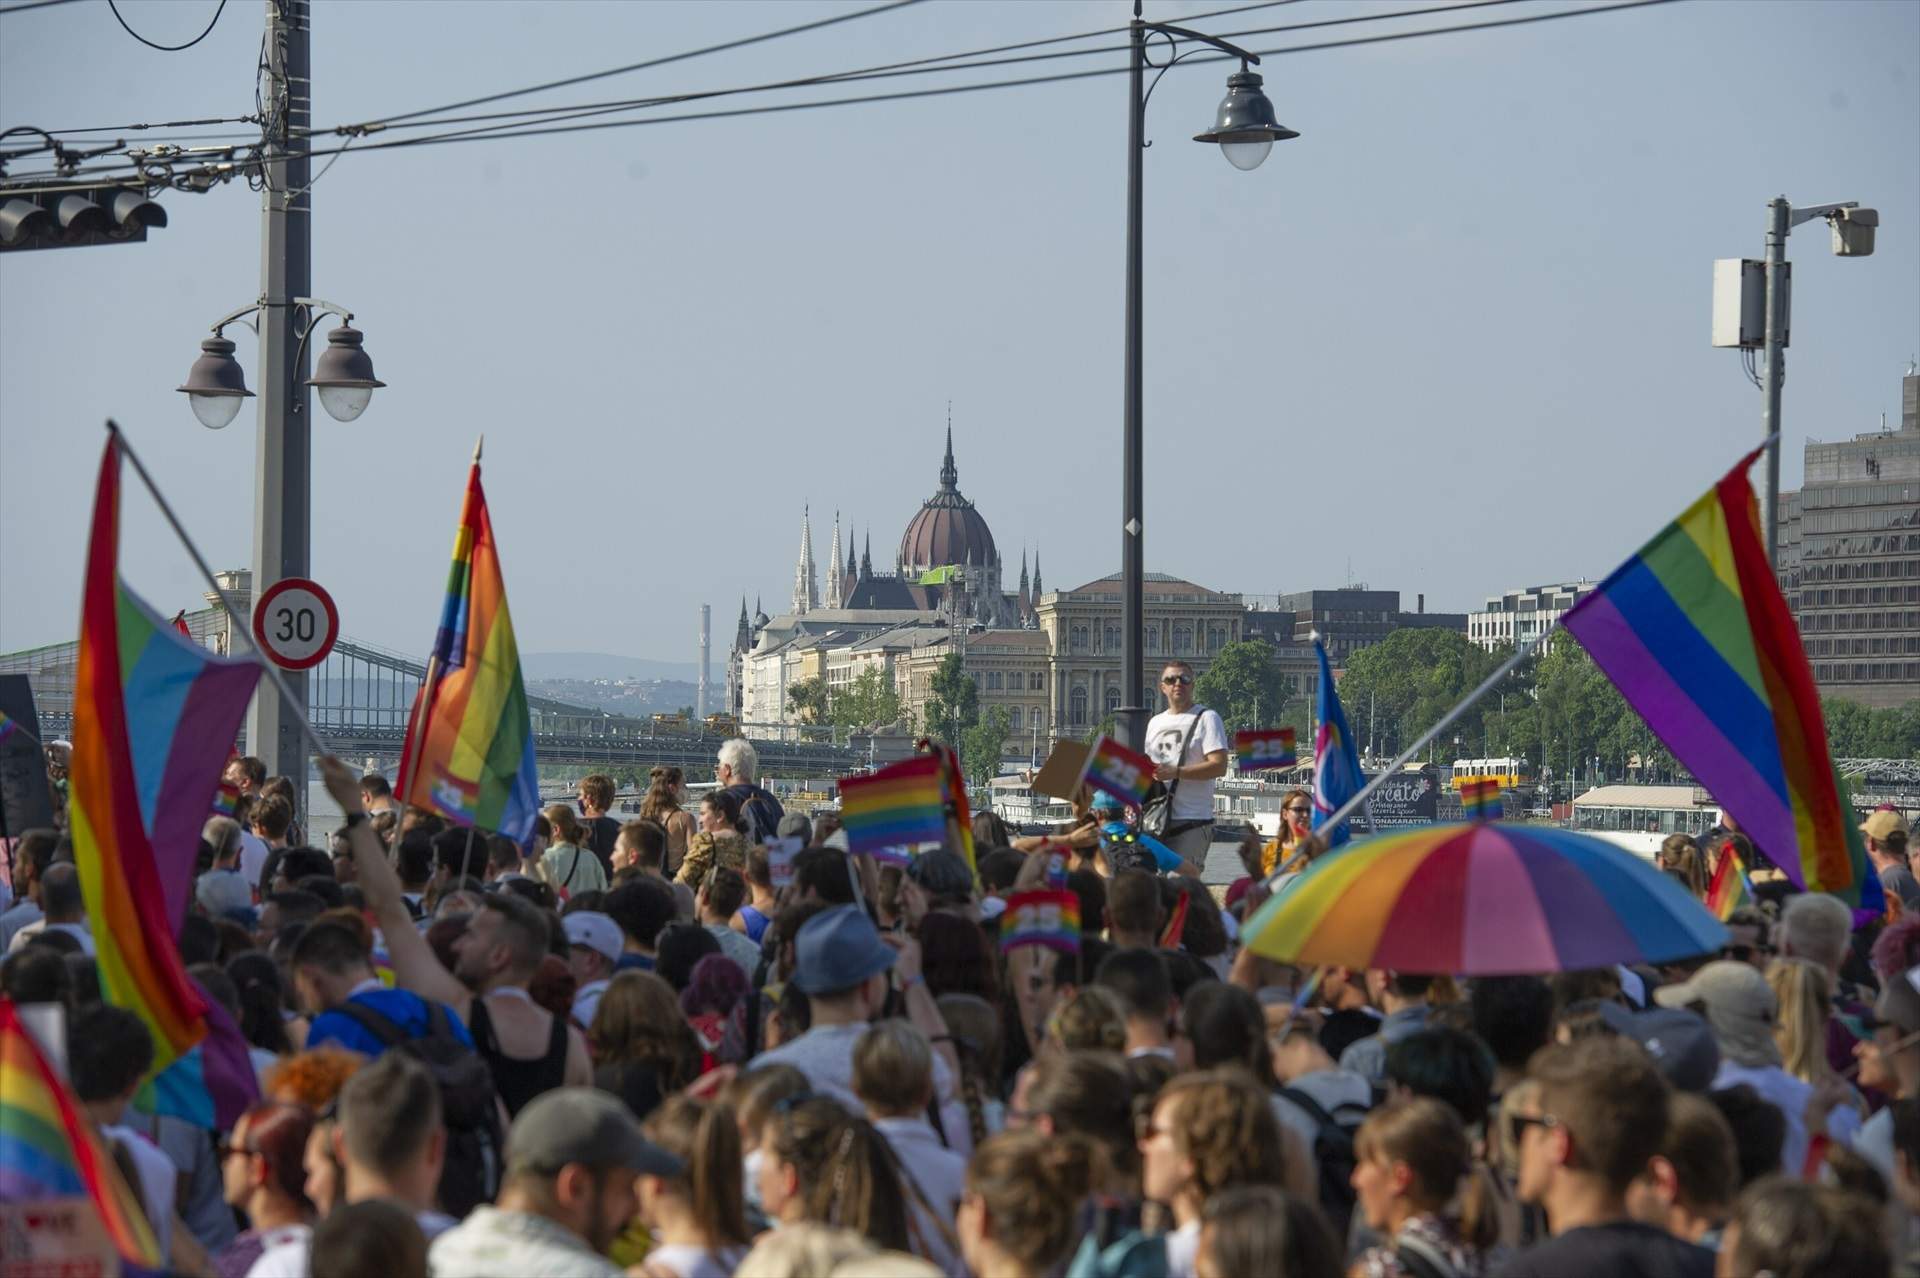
point(1297, 810)
point(1745, 953)
point(227, 1151)
point(1178, 679)
point(1517, 1125)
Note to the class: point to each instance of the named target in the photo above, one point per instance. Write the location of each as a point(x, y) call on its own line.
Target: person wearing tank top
point(518, 1080)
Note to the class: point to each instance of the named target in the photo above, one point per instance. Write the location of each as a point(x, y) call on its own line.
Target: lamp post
point(215, 385)
point(1246, 130)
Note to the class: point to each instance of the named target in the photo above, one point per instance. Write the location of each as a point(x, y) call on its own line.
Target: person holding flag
point(1190, 750)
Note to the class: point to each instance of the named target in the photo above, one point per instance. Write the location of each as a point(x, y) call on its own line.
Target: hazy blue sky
point(1456, 334)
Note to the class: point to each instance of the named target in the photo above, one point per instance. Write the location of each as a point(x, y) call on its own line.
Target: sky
point(1452, 340)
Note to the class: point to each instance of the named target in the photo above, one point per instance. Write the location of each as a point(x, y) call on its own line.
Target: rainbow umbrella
point(1483, 899)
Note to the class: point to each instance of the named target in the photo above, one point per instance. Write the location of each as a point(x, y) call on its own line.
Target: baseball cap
point(1882, 823)
point(586, 1126)
point(1102, 801)
point(942, 873)
point(795, 825)
point(1680, 1043)
point(1739, 1005)
point(598, 932)
point(837, 949)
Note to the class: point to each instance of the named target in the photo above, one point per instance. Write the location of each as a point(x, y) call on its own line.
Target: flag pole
point(240, 625)
point(1380, 778)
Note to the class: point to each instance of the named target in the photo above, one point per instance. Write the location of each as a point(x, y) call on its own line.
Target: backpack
point(468, 1104)
point(762, 825)
point(1333, 1153)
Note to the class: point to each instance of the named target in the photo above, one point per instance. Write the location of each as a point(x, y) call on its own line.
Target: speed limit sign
point(295, 623)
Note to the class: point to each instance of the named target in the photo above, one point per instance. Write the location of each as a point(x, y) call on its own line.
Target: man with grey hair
point(738, 771)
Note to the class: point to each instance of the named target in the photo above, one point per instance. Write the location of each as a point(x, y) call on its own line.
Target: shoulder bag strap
point(373, 1022)
point(1185, 741)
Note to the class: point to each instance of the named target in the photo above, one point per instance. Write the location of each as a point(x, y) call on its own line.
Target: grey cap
point(1680, 1042)
point(942, 873)
point(795, 825)
point(585, 1126)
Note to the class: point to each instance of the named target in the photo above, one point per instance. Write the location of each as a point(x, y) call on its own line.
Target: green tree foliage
point(1858, 732)
point(1395, 689)
point(981, 745)
point(869, 701)
point(953, 702)
point(1246, 687)
point(808, 699)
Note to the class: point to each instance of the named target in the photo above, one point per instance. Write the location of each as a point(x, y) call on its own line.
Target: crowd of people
point(627, 1049)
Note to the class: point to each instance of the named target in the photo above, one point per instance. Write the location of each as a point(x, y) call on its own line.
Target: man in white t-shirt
point(1190, 746)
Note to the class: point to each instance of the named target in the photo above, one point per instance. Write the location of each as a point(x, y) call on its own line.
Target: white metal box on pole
point(1739, 303)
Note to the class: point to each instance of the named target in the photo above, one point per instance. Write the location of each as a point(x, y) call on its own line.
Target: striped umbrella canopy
point(1482, 899)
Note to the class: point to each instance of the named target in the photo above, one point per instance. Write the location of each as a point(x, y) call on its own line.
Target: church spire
point(949, 473)
point(866, 557)
point(1037, 588)
point(806, 583)
point(743, 634)
point(836, 589)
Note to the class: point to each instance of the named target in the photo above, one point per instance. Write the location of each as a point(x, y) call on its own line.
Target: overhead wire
point(167, 48)
point(516, 130)
point(32, 4)
point(919, 66)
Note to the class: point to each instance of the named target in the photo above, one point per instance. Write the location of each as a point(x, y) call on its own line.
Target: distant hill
point(605, 665)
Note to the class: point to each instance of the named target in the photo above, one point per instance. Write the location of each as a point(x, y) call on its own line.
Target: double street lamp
point(343, 375)
point(1245, 129)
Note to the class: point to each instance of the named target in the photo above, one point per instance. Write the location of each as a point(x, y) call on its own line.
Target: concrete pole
point(282, 488)
point(1774, 371)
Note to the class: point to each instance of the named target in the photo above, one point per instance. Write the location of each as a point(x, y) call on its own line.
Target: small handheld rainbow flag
point(903, 803)
point(48, 1149)
point(1480, 797)
point(226, 800)
point(7, 726)
point(1125, 774)
point(1257, 749)
point(1729, 889)
point(1050, 918)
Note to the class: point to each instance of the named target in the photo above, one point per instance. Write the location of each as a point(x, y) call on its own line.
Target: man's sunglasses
point(1745, 953)
point(1178, 679)
point(1517, 1125)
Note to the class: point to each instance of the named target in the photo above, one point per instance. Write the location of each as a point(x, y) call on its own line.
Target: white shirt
point(287, 1253)
point(1193, 800)
point(1183, 1250)
point(253, 858)
point(158, 1177)
point(825, 1055)
point(689, 1261)
point(941, 1176)
point(491, 1242)
point(586, 1000)
point(78, 931)
point(1785, 1093)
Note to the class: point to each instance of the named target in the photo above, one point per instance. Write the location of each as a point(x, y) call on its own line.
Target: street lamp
point(1246, 130)
point(344, 375)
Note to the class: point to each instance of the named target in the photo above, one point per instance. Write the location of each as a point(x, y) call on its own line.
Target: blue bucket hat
point(837, 949)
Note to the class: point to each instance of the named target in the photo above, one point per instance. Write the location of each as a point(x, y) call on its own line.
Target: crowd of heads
point(835, 1068)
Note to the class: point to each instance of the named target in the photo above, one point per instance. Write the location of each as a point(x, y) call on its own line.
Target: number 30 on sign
point(295, 623)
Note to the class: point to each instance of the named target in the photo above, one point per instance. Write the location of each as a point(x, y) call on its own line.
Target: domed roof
point(948, 530)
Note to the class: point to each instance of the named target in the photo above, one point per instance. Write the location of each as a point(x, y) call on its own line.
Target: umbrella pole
point(1380, 778)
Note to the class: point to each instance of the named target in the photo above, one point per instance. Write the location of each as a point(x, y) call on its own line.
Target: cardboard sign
point(1059, 776)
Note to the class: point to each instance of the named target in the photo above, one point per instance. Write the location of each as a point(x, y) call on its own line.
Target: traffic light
point(76, 216)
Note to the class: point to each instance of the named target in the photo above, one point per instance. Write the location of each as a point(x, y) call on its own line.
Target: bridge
point(359, 698)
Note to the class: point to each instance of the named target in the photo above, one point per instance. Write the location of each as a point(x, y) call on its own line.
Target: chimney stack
point(1421, 605)
point(706, 646)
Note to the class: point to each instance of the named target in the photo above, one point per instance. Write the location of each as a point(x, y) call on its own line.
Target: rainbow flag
point(1729, 889)
point(49, 1150)
point(1049, 918)
point(154, 716)
point(226, 800)
point(902, 804)
point(7, 726)
point(1480, 797)
point(1125, 774)
point(954, 785)
point(469, 747)
point(1258, 749)
point(1695, 633)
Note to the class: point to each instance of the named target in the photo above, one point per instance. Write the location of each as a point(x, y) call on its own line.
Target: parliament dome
point(947, 529)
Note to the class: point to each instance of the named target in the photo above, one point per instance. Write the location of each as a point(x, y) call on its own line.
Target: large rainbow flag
point(154, 717)
point(48, 1149)
point(469, 748)
point(901, 804)
point(1695, 633)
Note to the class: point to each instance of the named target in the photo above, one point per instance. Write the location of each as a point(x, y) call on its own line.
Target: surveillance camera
point(1853, 231)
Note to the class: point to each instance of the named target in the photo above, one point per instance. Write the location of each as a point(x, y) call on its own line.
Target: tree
point(953, 702)
point(808, 699)
point(685, 712)
point(1396, 689)
point(1246, 686)
point(1855, 731)
point(869, 701)
point(982, 744)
